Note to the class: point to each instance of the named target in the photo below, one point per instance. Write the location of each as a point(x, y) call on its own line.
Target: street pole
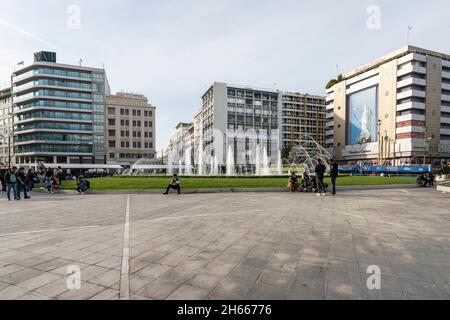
point(424, 144)
point(379, 142)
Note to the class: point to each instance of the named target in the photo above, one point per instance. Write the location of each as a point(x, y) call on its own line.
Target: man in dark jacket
point(22, 183)
point(3, 180)
point(320, 173)
point(334, 173)
point(11, 183)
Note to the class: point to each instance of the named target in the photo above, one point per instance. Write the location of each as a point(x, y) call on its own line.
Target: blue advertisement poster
point(362, 115)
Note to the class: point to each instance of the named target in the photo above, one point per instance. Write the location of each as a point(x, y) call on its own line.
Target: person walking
point(3, 180)
point(31, 175)
point(174, 184)
point(41, 177)
point(334, 173)
point(22, 183)
point(60, 175)
point(11, 183)
point(320, 173)
point(48, 179)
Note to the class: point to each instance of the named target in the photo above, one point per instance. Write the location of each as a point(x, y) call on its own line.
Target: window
point(112, 133)
point(138, 113)
point(112, 144)
point(111, 155)
point(134, 113)
point(99, 118)
point(124, 123)
point(111, 111)
point(111, 122)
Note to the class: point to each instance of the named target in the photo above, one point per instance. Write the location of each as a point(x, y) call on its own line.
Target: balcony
point(411, 117)
point(411, 81)
point(411, 69)
point(411, 93)
point(411, 105)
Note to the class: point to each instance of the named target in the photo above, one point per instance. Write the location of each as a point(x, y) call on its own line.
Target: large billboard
point(362, 115)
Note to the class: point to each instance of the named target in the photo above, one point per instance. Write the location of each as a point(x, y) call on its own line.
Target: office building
point(238, 119)
point(130, 128)
point(303, 116)
point(394, 110)
point(59, 113)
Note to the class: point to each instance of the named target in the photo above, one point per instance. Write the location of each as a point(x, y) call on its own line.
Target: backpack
point(12, 178)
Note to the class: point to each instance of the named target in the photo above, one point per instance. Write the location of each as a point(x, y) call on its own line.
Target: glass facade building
point(59, 114)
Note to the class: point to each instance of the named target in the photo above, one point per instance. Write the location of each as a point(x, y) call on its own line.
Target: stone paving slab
point(228, 245)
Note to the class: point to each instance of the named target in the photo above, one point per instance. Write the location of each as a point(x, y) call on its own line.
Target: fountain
point(230, 162)
point(200, 168)
point(306, 155)
point(257, 161)
point(211, 166)
point(265, 164)
point(180, 167)
point(187, 163)
point(215, 166)
point(279, 163)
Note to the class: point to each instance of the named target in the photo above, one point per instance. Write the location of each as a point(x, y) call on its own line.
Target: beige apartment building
point(130, 128)
point(394, 110)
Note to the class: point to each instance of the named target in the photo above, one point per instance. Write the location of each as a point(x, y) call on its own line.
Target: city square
point(253, 246)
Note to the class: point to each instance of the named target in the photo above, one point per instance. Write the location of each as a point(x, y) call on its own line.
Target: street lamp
point(426, 148)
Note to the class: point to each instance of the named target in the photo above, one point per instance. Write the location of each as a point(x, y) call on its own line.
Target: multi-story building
point(303, 116)
point(59, 113)
point(6, 128)
point(248, 124)
point(238, 119)
point(130, 128)
point(179, 143)
point(394, 110)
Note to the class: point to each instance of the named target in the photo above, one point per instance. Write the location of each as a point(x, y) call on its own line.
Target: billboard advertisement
point(362, 116)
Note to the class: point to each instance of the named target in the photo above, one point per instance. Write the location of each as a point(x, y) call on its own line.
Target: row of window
point(53, 148)
point(127, 144)
point(134, 112)
point(57, 126)
point(58, 115)
point(126, 133)
point(132, 156)
point(55, 137)
point(62, 105)
point(72, 74)
point(135, 123)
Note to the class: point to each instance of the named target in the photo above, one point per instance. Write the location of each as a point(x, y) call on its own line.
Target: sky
point(173, 50)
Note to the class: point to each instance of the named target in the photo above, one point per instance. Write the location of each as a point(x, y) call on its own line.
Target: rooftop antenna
point(80, 62)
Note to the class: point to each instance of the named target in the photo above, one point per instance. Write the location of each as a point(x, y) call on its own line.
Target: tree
point(286, 151)
point(333, 82)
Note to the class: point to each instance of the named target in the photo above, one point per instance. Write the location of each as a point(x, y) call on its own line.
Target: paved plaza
point(227, 246)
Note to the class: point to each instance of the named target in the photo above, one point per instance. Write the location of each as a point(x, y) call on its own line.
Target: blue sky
point(171, 51)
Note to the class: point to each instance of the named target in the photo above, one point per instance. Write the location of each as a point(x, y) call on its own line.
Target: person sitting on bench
point(174, 184)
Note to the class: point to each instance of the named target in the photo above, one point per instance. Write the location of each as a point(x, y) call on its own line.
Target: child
point(55, 184)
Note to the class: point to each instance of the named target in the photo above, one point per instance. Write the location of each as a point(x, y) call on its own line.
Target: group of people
point(315, 184)
point(16, 181)
point(426, 179)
